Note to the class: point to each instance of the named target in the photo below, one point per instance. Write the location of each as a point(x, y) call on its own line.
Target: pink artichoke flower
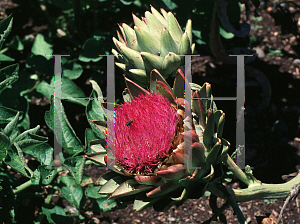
point(144, 132)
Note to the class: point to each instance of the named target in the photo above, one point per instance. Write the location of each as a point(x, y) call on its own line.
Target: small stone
point(172, 219)
point(248, 220)
point(260, 52)
point(296, 62)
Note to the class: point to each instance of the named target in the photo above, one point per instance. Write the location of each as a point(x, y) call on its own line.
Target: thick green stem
point(256, 191)
point(238, 172)
point(22, 187)
point(29, 183)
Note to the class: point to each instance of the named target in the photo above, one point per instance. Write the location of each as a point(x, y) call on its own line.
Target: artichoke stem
point(256, 191)
point(238, 172)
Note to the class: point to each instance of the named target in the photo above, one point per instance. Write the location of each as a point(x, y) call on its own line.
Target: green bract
point(155, 43)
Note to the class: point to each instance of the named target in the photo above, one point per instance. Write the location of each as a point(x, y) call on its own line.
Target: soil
point(273, 133)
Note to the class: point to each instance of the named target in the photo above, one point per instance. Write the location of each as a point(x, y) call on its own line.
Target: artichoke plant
point(155, 43)
point(151, 132)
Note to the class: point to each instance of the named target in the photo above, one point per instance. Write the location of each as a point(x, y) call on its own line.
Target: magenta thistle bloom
point(144, 132)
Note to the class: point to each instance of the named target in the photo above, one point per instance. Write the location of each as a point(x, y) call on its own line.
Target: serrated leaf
point(56, 214)
point(92, 192)
point(25, 133)
point(5, 28)
point(36, 178)
point(71, 191)
point(42, 153)
point(71, 69)
point(97, 88)
point(25, 123)
point(7, 114)
point(70, 91)
point(27, 144)
point(70, 142)
point(8, 75)
point(22, 158)
point(4, 144)
point(9, 128)
point(41, 46)
point(43, 174)
point(76, 167)
point(86, 180)
point(47, 174)
point(12, 159)
point(106, 204)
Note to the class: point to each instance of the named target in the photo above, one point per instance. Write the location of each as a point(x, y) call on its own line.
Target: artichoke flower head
point(140, 144)
point(151, 166)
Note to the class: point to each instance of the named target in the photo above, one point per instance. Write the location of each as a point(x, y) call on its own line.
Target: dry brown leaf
point(270, 220)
